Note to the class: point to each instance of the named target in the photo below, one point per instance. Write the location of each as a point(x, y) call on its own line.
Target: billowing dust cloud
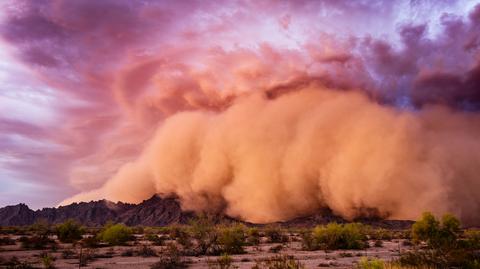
point(263, 110)
point(266, 160)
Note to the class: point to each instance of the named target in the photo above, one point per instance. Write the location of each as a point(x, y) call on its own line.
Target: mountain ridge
point(155, 211)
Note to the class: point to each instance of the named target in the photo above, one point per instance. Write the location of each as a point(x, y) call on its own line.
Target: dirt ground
point(114, 257)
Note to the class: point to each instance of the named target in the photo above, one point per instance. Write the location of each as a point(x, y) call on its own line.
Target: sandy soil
point(114, 259)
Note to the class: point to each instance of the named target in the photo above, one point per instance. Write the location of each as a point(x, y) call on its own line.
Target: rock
point(156, 211)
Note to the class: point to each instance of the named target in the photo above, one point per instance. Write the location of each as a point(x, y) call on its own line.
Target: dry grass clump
point(279, 262)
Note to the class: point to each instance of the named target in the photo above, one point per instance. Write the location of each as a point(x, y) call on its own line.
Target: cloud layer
point(123, 73)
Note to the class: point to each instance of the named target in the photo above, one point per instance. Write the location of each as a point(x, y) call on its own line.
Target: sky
point(85, 85)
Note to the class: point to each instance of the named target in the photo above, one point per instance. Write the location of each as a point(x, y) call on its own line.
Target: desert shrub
point(138, 230)
point(434, 233)
point(127, 253)
point(40, 227)
point(5, 241)
point(276, 248)
point(443, 247)
point(253, 236)
point(378, 243)
point(176, 231)
point(275, 234)
point(379, 233)
point(170, 258)
point(85, 256)
point(155, 239)
point(146, 251)
point(68, 254)
point(180, 235)
point(472, 239)
point(205, 236)
point(48, 261)
point(223, 262)
point(37, 242)
point(232, 239)
point(279, 262)
point(91, 241)
point(372, 263)
point(336, 236)
point(308, 242)
point(117, 234)
point(69, 231)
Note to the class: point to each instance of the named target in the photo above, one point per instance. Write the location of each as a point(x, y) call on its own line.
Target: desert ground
point(131, 257)
point(203, 243)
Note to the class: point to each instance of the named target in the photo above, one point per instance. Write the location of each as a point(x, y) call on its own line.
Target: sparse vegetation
point(85, 256)
point(275, 234)
point(146, 251)
point(15, 263)
point(335, 236)
point(116, 234)
point(37, 242)
point(232, 239)
point(171, 258)
point(253, 236)
point(69, 231)
point(372, 263)
point(430, 243)
point(47, 260)
point(6, 241)
point(439, 244)
point(223, 262)
point(279, 262)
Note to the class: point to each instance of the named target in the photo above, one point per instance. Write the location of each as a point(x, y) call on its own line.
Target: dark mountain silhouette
point(155, 211)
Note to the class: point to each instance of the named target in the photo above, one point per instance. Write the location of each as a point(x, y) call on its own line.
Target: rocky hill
point(155, 211)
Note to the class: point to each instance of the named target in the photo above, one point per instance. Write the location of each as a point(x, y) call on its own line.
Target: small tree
point(69, 231)
point(437, 235)
point(117, 234)
point(232, 239)
point(205, 235)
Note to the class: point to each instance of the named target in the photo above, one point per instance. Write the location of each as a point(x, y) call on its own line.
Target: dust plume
point(267, 160)
point(264, 110)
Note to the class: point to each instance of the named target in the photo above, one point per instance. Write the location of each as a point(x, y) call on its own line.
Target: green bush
point(379, 233)
point(336, 236)
point(205, 236)
point(69, 231)
point(443, 245)
point(373, 263)
point(117, 234)
point(47, 261)
point(472, 239)
point(275, 234)
point(280, 262)
point(434, 233)
point(232, 239)
point(155, 239)
point(253, 236)
point(223, 262)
